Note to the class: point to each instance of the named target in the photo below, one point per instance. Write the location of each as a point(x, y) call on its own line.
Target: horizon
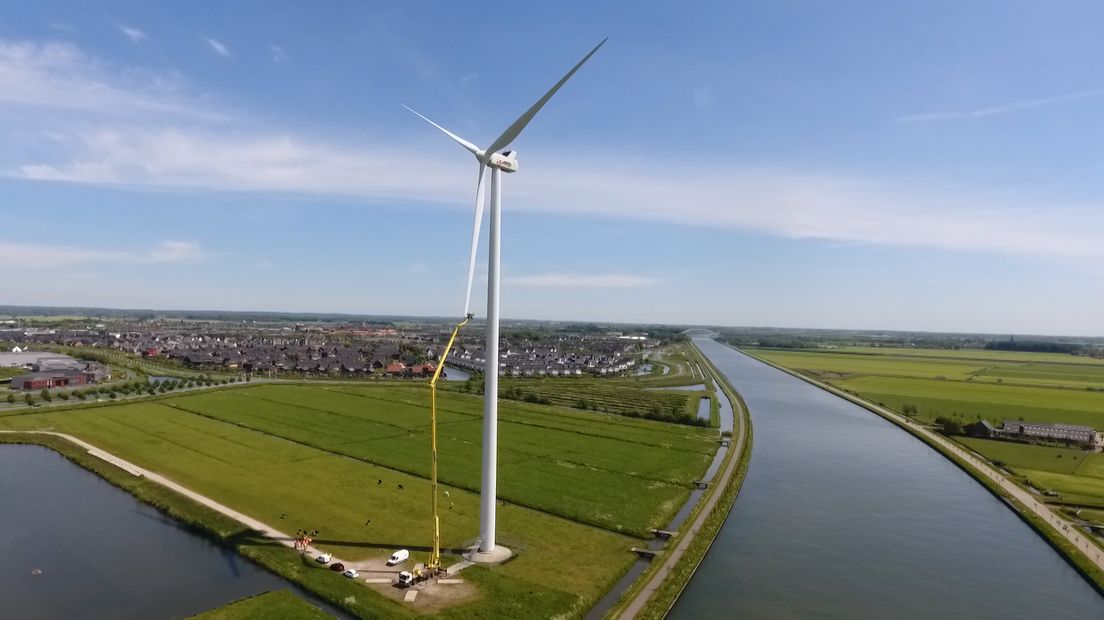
point(506, 319)
point(740, 165)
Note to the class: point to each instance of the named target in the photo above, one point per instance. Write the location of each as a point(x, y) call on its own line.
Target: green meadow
point(278, 605)
point(352, 462)
point(994, 385)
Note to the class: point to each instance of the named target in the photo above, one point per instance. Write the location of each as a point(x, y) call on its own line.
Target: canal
point(843, 515)
point(100, 553)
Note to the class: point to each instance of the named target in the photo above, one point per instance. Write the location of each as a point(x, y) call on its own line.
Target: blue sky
point(932, 166)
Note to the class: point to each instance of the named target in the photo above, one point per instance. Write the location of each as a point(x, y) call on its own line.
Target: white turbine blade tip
point(516, 128)
point(473, 149)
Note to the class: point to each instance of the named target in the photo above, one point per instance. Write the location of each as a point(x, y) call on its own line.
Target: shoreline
point(1060, 534)
point(656, 591)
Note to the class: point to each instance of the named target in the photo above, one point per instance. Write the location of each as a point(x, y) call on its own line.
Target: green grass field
point(333, 458)
point(1019, 456)
point(1019, 385)
point(975, 354)
point(278, 605)
point(991, 385)
point(7, 373)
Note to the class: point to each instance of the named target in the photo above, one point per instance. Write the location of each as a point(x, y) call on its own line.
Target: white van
point(323, 559)
point(398, 557)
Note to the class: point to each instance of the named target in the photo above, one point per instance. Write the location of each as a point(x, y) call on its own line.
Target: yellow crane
point(434, 563)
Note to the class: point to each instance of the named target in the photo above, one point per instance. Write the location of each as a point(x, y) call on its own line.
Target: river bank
point(843, 516)
point(1077, 548)
point(658, 587)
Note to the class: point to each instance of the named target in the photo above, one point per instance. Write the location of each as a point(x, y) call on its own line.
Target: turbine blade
point(479, 205)
point(512, 131)
point(462, 142)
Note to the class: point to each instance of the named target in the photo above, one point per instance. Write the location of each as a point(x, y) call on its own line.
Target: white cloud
point(161, 152)
point(172, 251)
point(61, 77)
point(999, 109)
point(46, 256)
point(278, 54)
point(579, 280)
point(134, 34)
point(63, 27)
point(218, 47)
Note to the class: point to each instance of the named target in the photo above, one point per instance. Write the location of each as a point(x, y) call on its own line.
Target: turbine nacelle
point(505, 161)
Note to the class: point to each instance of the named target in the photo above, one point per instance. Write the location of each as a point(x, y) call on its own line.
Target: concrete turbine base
point(496, 556)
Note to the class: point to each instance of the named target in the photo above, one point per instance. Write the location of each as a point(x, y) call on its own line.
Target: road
point(645, 594)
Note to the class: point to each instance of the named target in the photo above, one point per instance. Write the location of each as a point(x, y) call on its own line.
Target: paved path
point(672, 556)
point(265, 529)
point(1026, 500)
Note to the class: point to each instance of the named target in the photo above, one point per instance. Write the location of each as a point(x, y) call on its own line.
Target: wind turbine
point(498, 160)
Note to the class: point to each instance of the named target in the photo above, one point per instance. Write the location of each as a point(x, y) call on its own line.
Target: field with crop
point(971, 385)
point(956, 386)
point(352, 462)
point(974, 354)
point(585, 467)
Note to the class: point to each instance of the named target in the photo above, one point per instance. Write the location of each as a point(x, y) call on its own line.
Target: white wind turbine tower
point(499, 161)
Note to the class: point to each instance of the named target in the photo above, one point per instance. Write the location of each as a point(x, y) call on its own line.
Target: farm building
point(1067, 433)
point(49, 379)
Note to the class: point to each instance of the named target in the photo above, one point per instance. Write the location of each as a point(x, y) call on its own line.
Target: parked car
point(351, 573)
point(337, 567)
point(324, 558)
point(398, 557)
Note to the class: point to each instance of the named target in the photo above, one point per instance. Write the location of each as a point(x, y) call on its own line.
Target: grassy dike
point(278, 605)
point(672, 586)
point(1090, 571)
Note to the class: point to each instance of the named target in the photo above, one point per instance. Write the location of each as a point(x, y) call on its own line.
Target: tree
point(909, 409)
point(45, 394)
point(11, 399)
point(948, 426)
point(28, 399)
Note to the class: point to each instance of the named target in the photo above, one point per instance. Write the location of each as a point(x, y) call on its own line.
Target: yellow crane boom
point(435, 556)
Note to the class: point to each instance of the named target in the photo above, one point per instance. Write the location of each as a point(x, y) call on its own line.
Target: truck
point(420, 573)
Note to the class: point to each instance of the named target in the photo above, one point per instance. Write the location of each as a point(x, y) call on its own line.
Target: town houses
point(345, 350)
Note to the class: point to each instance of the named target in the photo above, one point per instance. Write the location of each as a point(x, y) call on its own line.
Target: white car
point(351, 573)
point(324, 558)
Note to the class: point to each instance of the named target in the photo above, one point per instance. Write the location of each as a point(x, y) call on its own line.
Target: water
point(456, 374)
point(102, 553)
point(726, 423)
point(843, 515)
point(703, 408)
